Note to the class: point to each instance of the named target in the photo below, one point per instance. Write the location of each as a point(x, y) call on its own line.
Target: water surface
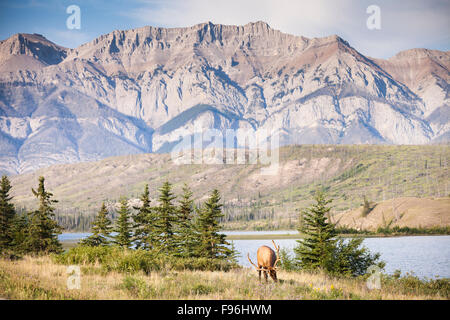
point(424, 256)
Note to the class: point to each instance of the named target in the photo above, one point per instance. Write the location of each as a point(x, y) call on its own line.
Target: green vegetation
point(394, 231)
point(143, 222)
point(31, 232)
point(7, 214)
point(101, 229)
point(114, 258)
point(321, 249)
point(412, 231)
point(123, 226)
point(186, 238)
point(178, 237)
point(315, 249)
point(211, 242)
point(166, 219)
point(164, 235)
point(43, 230)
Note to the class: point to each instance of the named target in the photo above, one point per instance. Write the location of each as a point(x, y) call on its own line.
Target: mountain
point(142, 90)
point(426, 73)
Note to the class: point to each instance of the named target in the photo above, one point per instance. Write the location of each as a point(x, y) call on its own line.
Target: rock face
point(142, 90)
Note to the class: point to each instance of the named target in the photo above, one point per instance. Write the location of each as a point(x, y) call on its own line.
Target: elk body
point(267, 261)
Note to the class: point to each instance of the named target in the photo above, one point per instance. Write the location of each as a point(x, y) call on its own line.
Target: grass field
point(42, 278)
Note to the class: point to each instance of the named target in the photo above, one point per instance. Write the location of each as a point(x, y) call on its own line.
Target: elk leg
point(259, 274)
point(265, 276)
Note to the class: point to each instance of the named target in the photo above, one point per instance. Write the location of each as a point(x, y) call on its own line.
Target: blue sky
point(405, 24)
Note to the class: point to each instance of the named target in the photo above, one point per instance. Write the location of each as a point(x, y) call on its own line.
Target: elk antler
point(278, 254)
point(257, 269)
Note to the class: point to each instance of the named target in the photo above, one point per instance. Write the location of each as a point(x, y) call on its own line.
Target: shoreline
point(342, 235)
point(269, 236)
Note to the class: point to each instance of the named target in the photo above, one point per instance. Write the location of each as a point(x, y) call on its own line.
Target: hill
point(257, 201)
point(411, 212)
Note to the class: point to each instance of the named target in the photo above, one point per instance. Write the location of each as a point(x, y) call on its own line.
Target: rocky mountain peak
point(144, 89)
point(35, 46)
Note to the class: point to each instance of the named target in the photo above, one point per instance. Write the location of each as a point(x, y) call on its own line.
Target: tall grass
point(43, 278)
point(126, 260)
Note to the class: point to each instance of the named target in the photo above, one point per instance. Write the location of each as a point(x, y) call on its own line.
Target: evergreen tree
point(144, 220)
point(166, 217)
point(322, 249)
point(123, 237)
point(43, 229)
point(212, 244)
point(186, 236)
point(315, 250)
point(20, 232)
point(101, 229)
point(7, 214)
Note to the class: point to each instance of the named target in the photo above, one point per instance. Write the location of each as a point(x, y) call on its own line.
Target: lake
point(425, 256)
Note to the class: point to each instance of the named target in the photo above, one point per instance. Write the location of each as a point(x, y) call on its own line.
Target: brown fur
point(266, 262)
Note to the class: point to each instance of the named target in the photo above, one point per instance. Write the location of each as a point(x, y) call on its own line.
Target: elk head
point(267, 261)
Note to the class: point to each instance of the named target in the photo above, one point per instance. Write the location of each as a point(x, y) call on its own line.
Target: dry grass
point(41, 278)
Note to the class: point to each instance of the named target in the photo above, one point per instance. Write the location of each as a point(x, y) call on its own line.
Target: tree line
point(176, 228)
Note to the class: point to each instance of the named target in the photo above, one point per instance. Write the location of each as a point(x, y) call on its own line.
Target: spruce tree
point(101, 229)
point(166, 217)
point(43, 229)
point(316, 249)
point(123, 237)
point(212, 244)
point(7, 214)
point(144, 220)
point(20, 231)
point(185, 235)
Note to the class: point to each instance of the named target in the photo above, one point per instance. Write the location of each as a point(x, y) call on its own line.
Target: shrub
point(138, 287)
point(84, 255)
point(201, 289)
point(124, 260)
point(286, 261)
point(351, 259)
point(131, 261)
point(411, 284)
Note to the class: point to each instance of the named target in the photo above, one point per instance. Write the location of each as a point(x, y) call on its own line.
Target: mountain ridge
point(112, 95)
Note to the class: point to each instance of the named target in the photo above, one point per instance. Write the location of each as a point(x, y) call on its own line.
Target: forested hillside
point(251, 200)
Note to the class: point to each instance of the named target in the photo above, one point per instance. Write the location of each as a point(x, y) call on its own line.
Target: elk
point(267, 261)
